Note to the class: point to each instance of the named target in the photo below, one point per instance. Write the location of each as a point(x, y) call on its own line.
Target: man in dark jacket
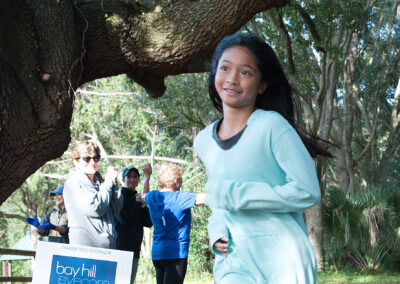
point(134, 214)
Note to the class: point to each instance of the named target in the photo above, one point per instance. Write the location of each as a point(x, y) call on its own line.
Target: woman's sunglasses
point(88, 158)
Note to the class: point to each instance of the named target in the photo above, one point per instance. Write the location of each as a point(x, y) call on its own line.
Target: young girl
point(261, 175)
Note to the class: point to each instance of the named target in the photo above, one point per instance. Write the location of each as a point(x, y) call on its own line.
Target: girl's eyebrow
point(242, 65)
point(248, 66)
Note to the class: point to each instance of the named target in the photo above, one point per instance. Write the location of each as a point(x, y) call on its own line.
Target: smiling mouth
point(231, 91)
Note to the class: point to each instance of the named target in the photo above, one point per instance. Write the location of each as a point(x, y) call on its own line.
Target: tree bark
point(48, 48)
point(313, 217)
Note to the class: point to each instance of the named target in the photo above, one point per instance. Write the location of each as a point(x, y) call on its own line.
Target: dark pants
point(170, 271)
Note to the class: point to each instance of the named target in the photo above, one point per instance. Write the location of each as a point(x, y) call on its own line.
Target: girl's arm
point(298, 192)
point(218, 231)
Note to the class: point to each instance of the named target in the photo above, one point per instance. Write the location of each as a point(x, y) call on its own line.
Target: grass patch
point(357, 276)
point(345, 275)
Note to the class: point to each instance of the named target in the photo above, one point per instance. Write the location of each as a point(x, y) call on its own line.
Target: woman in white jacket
point(90, 200)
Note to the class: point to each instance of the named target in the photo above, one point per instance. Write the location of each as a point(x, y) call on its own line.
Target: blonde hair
point(83, 148)
point(169, 175)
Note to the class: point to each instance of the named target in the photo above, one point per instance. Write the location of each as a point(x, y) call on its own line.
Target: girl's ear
point(262, 88)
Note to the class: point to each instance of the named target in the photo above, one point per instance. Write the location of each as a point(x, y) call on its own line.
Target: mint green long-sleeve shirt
point(257, 191)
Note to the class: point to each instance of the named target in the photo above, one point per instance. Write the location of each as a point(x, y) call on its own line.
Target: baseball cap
point(58, 190)
point(127, 170)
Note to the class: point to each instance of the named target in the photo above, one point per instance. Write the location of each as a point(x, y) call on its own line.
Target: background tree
point(122, 123)
point(342, 59)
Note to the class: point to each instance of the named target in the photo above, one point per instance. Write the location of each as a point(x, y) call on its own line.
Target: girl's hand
point(222, 245)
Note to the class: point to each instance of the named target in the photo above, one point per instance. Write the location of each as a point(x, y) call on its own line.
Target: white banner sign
point(57, 263)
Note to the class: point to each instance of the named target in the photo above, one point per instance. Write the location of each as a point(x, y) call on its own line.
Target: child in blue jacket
point(261, 175)
point(170, 212)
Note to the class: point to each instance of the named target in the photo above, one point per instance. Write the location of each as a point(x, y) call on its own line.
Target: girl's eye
point(245, 72)
point(223, 68)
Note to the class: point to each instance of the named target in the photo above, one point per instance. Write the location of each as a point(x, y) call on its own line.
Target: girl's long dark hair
point(278, 95)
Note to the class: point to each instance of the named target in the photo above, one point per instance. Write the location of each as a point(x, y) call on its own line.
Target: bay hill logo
point(76, 270)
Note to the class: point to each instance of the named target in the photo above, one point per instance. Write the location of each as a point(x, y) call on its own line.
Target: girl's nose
point(232, 78)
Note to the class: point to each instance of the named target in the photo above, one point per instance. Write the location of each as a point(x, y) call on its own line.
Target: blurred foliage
point(375, 77)
point(126, 121)
point(129, 122)
point(348, 229)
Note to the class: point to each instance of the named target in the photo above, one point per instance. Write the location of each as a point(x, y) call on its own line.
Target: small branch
point(133, 157)
point(255, 28)
point(322, 87)
point(59, 162)
point(107, 94)
point(310, 24)
point(172, 160)
point(280, 25)
point(332, 182)
point(11, 215)
point(192, 178)
point(56, 176)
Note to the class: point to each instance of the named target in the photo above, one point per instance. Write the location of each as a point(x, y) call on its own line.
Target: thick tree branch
point(162, 42)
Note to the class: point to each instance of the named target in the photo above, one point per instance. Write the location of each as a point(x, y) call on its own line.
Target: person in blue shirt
point(260, 169)
point(171, 216)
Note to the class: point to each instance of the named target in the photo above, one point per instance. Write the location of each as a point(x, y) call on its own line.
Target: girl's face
point(238, 79)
